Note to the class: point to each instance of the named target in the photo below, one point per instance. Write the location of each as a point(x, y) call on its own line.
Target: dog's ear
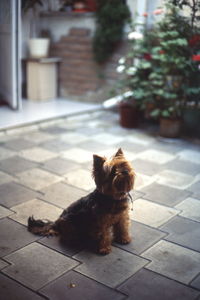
point(119, 152)
point(98, 162)
point(97, 172)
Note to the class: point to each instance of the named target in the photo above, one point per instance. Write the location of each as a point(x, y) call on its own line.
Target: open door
point(10, 89)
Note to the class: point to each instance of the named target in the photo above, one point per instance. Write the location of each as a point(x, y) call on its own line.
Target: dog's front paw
point(123, 240)
point(104, 251)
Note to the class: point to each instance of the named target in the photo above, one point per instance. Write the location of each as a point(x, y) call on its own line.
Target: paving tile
point(76, 286)
point(164, 194)
point(140, 139)
point(55, 145)
point(92, 146)
point(80, 119)
point(111, 269)
point(38, 137)
point(37, 154)
point(37, 179)
point(13, 236)
point(77, 155)
point(13, 193)
point(184, 232)
point(146, 167)
point(4, 137)
point(18, 144)
point(136, 194)
point(107, 138)
point(36, 265)
point(54, 130)
point(172, 146)
point(61, 194)
point(89, 131)
point(187, 167)
point(80, 178)
point(4, 212)
point(39, 209)
point(147, 285)
point(73, 138)
point(190, 155)
point(196, 283)
point(3, 265)
point(4, 178)
point(97, 124)
point(71, 124)
point(119, 130)
point(59, 166)
point(51, 123)
point(173, 261)
point(11, 290)
point(142, 180)
point(6, 153)
point(194, 188)
point(175, 179)
point(59, 245)
point(143, 237)
point(151, 214)
point(131, 147)
point(16, 164)
point(190, 208)
point(16, 131)
point(155, 156)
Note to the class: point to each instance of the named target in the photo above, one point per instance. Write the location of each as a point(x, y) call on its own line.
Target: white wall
point(60, 25)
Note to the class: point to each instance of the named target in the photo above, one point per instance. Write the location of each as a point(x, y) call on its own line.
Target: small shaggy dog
point(103, 215)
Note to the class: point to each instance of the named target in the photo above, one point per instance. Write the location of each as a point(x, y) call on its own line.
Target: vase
point(170, 128)
point(128, 115)
point(39, 47)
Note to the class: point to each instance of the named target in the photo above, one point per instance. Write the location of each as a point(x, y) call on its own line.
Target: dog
point(103, 215)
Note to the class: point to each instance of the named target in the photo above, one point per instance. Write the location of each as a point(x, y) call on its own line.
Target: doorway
point(10, 53)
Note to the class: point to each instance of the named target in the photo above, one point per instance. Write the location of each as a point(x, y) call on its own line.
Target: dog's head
point(114, 176)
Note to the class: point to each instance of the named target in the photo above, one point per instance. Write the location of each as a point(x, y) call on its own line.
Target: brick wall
point(79, 76)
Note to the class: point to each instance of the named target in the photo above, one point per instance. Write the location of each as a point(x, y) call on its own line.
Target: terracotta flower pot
point(170, 128)
point(128, 115)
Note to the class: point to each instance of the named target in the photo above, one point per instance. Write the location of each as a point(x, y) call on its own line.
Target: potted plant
point(128, 112)
point(111, 17)
point(170, 60)
point(38, 46)
point(191, 113)
point(162, 70)
point(135, 69)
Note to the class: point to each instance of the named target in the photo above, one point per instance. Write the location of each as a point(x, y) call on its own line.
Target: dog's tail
point(44, 228)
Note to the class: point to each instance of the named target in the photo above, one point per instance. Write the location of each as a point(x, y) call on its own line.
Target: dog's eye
point(113, 172)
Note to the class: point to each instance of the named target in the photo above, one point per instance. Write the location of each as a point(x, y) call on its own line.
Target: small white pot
point(39, 47)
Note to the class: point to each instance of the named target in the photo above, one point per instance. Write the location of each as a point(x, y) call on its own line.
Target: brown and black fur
point(103, 215)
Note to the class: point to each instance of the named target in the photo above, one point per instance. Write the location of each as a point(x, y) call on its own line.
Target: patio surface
point(45, 167)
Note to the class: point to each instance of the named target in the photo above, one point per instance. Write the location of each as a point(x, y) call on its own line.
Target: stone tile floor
point(45, 167)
